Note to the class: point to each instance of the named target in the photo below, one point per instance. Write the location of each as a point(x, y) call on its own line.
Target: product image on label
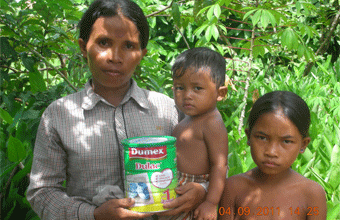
point(139, 189)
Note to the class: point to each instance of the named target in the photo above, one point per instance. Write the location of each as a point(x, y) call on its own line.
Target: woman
point(78, 140)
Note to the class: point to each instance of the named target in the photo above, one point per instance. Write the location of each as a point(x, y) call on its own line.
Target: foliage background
point(269, 45)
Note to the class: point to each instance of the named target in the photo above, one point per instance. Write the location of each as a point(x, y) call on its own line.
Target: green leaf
point(332, 211)
point(5, 6)
point(16, 151)
point(301, 50)
point(176, 14)
point(289, 39)
point(322, 182)
point(208, 33)
point(235, 163)
point(248, 13)
point(257, 16)
point(217, 11)
point(265, 19)
point(199, 30)
point(37, 82)
point(22, 173)
point(327, 144)
point(215, 32)
point(334, 179)
point(6, 48)
point(271, 17)
point(6, 116)
point(28, 62)
point(210, 13)
point(278, 16)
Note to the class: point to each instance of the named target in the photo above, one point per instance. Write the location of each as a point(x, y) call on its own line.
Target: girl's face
point(113, 52)
point(275, 142)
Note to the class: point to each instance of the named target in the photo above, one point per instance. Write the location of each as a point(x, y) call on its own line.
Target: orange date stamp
point(267, 211)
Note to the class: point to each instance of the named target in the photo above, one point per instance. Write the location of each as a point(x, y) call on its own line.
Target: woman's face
point(113, 51)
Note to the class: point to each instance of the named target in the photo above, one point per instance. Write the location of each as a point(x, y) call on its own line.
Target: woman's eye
point(103, 42)
point(129, 45)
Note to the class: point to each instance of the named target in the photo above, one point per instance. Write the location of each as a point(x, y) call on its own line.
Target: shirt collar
point(136, 93)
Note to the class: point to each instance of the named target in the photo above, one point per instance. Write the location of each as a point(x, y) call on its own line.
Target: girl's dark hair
point(201, 57)
point(109, 8)
point(292, 106)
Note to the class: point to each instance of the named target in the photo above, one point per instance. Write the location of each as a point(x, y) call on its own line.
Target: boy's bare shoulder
point(213, 120)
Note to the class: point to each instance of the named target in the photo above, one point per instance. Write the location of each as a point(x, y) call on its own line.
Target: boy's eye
point(198, 88)
point(178, 88)
point(261, 137)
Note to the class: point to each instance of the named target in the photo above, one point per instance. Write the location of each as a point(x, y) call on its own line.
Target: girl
point(278, 131)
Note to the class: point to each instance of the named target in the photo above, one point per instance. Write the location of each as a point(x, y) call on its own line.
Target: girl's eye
point(198, 88)
point(288, 141)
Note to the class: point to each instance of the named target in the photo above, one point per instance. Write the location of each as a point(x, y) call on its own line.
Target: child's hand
point(206, 211)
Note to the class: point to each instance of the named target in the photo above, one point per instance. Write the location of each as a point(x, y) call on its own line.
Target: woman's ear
point(144, 51)
point(82, 46)
point(222, 92)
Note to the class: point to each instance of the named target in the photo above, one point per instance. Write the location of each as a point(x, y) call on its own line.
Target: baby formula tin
point(150, 171)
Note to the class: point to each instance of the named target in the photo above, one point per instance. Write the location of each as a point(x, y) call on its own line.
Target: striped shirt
point(78, 141)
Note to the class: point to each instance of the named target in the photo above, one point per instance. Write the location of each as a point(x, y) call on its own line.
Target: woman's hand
point(117, 209)
point(191, 195)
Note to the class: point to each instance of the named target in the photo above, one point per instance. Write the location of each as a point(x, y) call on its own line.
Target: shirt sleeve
point(46, 193)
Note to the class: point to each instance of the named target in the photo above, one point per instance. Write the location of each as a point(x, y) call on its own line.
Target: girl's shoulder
point(240, 181)
point(311, 189)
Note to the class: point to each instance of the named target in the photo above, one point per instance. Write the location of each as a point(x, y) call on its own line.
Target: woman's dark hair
point(201, 57)
point(292, 106)
point(109, 8)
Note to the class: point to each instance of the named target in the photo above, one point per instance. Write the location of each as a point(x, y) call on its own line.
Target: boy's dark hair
point(292, 106)
point(201, 57)
point(110, 8)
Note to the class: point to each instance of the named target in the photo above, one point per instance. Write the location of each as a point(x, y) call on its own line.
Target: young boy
point(277, 133)
point(202, 139)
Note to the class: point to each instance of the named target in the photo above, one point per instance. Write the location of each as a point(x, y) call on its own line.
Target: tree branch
point(157, 12)
point(17, 71)
point(185, 40)
point(8, 67)
point(7, 184)
point(62, 63)
point(51, 66)
point(325, 43)
point(244, 100)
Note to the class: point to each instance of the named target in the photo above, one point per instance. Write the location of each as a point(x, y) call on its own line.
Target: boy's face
point(275, 143)
point(195, 93)
point(113, 51)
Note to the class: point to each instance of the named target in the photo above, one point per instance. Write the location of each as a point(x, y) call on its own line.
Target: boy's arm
point(317, 204)
point(216, 139)
point(227, 204)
